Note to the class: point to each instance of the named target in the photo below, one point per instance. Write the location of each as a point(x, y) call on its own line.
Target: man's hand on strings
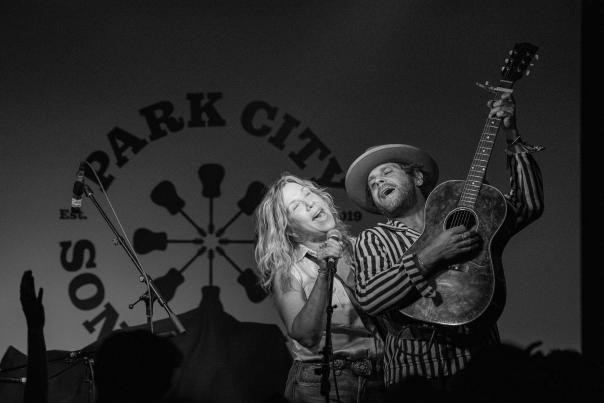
point(448, 245)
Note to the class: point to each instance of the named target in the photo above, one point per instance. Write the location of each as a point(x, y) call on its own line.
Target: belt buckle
point(362, 367)
point(338, 363)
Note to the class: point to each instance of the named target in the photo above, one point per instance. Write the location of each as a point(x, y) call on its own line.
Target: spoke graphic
point(246, 278)
point(211, 262)
point(169, 282)
point(164, 194)
point(225, 241)
point(146, 241)
point(211, 176)
point(252, 198)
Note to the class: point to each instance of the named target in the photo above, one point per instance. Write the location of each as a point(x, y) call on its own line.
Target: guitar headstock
point(519, 60)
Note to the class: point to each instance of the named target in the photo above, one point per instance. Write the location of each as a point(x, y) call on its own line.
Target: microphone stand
point(91, 381)
point(151, 286)
point(85, 356)
point(327, 348)
point(13, 379)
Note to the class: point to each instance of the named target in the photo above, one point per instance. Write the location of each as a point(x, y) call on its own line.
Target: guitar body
point(471, 289)
point(465, 289)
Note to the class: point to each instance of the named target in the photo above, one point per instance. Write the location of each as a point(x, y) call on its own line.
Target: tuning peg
point(527, 73)
point(146, 241)
point(252, 286)
point(247, 279)
point(211, 176)
point(164, 194)
point(253, 197)
point(536, 56)
point(211, 264)
point(168, 283)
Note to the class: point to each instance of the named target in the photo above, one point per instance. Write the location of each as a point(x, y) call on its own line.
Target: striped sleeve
point(382, 282)
point(526, 194)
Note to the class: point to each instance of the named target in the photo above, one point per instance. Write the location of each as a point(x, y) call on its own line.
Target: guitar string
point(465, 190)
point(464, 217)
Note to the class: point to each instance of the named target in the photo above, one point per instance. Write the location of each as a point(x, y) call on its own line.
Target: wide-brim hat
point(356, 177)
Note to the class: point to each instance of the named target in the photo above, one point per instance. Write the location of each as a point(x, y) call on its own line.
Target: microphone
point(336, 235)
point(11, 379)
point(78, 189)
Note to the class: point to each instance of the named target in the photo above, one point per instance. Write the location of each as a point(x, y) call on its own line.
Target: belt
point(439, 334)
point(364, 367)
point(419, 332)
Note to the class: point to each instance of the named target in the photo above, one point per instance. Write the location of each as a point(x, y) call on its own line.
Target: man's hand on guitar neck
point(446, 247)
point(504, 108)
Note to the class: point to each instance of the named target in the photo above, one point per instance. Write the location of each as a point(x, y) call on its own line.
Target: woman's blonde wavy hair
point(276, 243)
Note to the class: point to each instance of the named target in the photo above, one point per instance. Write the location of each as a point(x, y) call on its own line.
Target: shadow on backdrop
point(135, 366)
point(223, 360)
point(505, 373)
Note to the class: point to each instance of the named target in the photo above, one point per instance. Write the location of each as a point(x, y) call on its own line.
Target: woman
point(292, 223)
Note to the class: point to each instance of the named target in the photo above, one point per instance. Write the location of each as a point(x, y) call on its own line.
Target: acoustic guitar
point(475, 284)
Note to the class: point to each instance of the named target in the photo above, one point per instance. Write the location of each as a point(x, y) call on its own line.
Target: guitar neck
point(482, 156)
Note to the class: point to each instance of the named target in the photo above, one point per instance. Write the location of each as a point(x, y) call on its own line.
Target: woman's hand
point(329, 249)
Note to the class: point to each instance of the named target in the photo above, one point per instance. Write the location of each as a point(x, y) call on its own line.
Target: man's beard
point(404, 201)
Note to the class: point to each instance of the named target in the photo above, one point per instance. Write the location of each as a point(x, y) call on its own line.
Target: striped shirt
point(387, 278)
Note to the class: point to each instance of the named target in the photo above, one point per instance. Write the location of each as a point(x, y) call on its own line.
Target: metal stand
point(13, 379)
point(150, 286)
point(328, 349)
point(90, 379)
point(85, 357)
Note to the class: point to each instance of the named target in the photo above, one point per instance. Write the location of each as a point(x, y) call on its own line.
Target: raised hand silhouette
point(32, 303)
point(36, 386)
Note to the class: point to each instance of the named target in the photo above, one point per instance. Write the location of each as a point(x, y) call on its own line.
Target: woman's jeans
point(304, 384)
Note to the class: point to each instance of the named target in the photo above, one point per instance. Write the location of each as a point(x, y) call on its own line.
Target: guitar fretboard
point(480, 162)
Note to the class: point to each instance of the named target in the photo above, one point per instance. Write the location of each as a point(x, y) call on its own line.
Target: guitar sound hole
point(462, 216)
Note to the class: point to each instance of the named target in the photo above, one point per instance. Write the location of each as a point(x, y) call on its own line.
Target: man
point(394, 180)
